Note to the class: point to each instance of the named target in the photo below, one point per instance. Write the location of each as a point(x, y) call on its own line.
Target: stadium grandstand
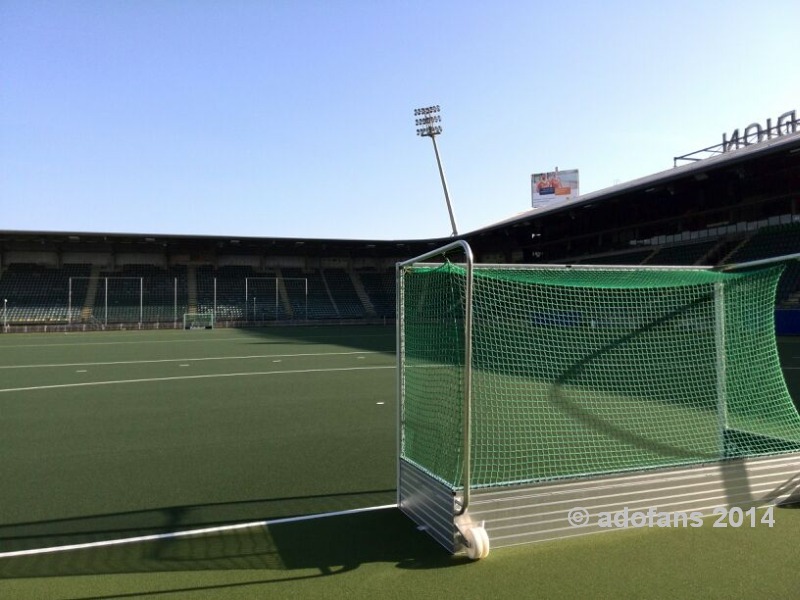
point(737, 206)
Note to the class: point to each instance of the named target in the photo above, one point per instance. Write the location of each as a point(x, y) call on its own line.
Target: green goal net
point(587, 370)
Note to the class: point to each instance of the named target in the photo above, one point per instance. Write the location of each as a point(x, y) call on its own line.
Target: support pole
point(444, 187)
point(721, 364)
point(428, 120)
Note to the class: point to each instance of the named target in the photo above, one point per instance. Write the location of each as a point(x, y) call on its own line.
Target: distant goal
point(198, 320)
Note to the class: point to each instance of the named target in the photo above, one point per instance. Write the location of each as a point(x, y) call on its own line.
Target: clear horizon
point(295, 119)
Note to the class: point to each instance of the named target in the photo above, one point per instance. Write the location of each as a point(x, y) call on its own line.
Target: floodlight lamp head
point(428, 110)
point(429, 131)
point(428, 116)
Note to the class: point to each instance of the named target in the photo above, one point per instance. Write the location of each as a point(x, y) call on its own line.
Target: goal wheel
point(477, 542)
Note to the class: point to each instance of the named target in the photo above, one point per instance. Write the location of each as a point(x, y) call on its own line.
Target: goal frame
point(538, 511)
point(210, 323)
point(458, 245)
point(469, 265)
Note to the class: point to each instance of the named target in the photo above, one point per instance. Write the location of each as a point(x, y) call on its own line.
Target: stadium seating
point(343, 293)
point(139, 293)
point(683, 254)
point(380, 287)
point(769, 241)
point(149, 294)
point(776, 241)
point(789, 287)
point(619, 258)
point(230, 291)
point(320, 305)
point(38, 294)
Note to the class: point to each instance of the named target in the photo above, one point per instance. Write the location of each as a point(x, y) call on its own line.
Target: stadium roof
point(787, 143)
point(66, 240)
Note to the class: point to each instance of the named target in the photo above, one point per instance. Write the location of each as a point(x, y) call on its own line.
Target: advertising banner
point(553, 186)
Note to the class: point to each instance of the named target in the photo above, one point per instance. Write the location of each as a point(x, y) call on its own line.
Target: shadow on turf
point(291, 551)
point(95, 528)
point(372, 338)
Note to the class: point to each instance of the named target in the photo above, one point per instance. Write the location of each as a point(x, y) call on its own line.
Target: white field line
point(178, 378)
point(127, 342)
point(192, 340)
point(191, 532)
point(167, 360)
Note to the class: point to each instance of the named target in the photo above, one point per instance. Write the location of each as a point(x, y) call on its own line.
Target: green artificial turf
point(99, 462)
point(303, 425)
point(381, 555)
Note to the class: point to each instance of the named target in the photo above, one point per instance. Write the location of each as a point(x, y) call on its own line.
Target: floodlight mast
point(427, 119)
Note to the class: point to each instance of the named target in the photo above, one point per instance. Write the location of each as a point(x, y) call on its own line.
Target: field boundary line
point(117, 343)
point(192, 532)
point(168, 360)
point(187, 339)
point(181, 377)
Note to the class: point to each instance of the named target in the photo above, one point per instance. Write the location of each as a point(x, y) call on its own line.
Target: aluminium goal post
point(514, 375)
point(198, 320)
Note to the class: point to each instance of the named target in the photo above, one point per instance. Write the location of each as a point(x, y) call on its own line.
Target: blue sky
point(295, 118)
